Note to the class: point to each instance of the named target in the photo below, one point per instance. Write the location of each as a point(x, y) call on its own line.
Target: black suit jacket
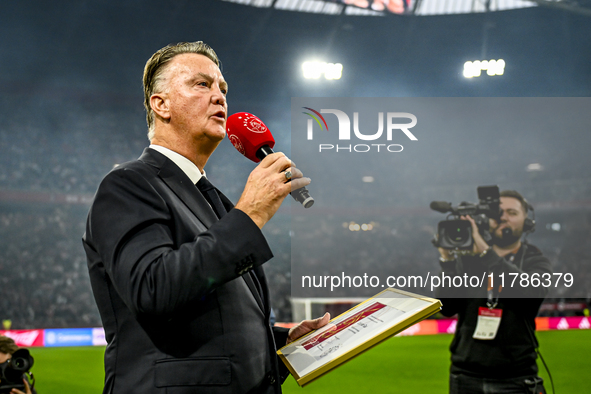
point(178, 290)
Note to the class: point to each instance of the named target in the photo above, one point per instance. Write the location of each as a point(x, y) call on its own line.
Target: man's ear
point(159, 103)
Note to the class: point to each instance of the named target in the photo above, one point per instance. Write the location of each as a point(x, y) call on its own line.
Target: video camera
point(12, 371)
point(454, 233)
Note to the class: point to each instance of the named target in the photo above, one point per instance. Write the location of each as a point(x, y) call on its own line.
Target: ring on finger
point(288, 175)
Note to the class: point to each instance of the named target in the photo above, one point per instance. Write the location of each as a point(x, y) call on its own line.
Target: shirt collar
point(186, 165)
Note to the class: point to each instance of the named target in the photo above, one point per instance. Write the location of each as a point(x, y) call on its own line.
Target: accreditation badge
point(488, 323)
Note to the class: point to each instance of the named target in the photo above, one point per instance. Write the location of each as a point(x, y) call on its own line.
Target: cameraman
point(7, 348)
point(494, 347)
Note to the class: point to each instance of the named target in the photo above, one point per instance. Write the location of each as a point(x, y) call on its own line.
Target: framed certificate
point(355, 331)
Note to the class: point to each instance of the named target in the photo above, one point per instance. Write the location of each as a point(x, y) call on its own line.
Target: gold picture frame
point(355, 331)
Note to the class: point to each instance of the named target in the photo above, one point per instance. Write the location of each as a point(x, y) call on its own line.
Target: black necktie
point(213, 198)
point(211, 195)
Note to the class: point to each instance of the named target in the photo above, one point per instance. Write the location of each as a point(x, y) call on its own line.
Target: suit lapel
point(181, 185)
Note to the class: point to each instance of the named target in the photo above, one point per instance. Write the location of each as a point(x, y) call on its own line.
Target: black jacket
point(177, 288)
point(512, 352)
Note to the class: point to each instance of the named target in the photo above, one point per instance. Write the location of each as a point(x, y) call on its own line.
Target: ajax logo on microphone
point(394, 123)
point(246, 123)
point(254, 124)
point(237, 144)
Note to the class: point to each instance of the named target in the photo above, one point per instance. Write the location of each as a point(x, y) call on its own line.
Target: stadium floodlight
point(492, 68)
point(534, 167)
point(367, 226)
point(333, 71)
point(352, 226)
point(314, 70)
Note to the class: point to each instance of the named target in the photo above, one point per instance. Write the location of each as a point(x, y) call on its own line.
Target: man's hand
point(267, 187)
point(446, 254)
point(479, 244)
point(306, 326)
point(27, 388)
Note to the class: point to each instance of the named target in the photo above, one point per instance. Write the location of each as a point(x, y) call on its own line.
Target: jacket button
point(271, 378)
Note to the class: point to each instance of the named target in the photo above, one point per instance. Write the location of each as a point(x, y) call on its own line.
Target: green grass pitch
point(399, 365)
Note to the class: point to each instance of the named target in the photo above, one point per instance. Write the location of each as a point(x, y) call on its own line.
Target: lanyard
point(492, 301)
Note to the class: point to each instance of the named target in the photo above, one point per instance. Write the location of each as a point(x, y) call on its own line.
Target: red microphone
point(252, 138)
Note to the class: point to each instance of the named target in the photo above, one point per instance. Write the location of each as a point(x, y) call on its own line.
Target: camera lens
point(455, 234)
point(459, 234)
point(19, 363)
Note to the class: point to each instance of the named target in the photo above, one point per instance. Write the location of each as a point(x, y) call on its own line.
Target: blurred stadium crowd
point(56, 153)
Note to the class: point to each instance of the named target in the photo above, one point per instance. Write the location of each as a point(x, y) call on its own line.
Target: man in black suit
point(175, 267)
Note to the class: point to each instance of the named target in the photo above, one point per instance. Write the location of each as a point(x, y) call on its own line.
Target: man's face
point(4, 357)
point(196, 91)
point(513, 218)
